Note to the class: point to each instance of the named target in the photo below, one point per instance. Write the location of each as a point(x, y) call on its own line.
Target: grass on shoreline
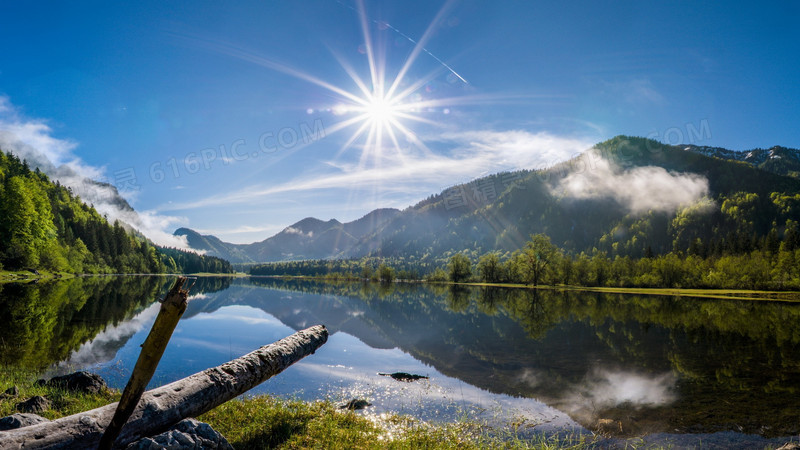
point(269, 422)
point(64, 403)
point(723, 294)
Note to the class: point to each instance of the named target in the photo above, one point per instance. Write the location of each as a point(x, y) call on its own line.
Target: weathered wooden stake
point(167, 405)
point(172, 308)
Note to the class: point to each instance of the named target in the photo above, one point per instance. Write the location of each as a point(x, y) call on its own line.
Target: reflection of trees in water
point(458, 298)
point(548, 344)
point(44, 322)
point(717, 362)
point(489, 300)
point(725, 353)
point(209, 285)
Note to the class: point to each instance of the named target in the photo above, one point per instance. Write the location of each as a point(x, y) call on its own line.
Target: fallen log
point(165, 406)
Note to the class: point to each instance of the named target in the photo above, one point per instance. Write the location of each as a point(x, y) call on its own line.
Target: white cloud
point(32, 140)
point(639, 189)
point(292, 230)
point(472, 154)
point(509, 150)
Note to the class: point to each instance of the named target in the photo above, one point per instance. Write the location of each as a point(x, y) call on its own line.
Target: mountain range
point(627, 195)
point(777, 159)
point(309, 238)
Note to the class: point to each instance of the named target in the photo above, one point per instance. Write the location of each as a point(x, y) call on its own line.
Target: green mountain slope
point(626, 196)
point(739, 202)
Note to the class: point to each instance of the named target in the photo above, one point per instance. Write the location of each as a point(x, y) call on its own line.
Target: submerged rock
point(85, 382)
point(186, 434)
point(15, 421)
point(403, 376)
point(356, 403)
point(608, 427)
point(35, 404)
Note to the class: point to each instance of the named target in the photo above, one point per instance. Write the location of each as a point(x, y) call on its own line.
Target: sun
point(382, 111)
point(378, 120)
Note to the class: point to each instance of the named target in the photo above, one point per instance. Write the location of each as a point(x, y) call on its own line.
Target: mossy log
point(165, 406)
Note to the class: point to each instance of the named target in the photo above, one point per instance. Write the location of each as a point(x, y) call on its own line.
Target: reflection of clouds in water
point(603, 389)
point(609, 389)
point(105, 345)
point(241, 314)
point(197, 297)
point(203, 344)
point(530, 377)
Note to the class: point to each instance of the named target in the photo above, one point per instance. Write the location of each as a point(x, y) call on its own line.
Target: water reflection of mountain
point(651, 364)
point(298, 310)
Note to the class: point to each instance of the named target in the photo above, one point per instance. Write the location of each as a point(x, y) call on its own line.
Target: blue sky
point(228, 119)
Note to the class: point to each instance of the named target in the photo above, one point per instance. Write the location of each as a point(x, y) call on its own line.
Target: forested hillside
point(626, 196)
point(630, 212)
point(44, 226)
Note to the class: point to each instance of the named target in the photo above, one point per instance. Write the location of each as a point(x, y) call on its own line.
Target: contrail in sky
point(413, 41)
point(426, 51)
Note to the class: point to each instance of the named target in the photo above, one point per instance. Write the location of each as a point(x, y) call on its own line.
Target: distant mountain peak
point(776, 159)
point(308, 238)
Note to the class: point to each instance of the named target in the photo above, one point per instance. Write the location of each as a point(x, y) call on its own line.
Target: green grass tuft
point(269, 422)
point(64, 403)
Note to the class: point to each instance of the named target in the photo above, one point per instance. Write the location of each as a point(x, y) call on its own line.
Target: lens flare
point(381, 110)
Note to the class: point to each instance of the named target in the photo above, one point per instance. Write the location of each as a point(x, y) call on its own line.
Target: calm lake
point(553, 361)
